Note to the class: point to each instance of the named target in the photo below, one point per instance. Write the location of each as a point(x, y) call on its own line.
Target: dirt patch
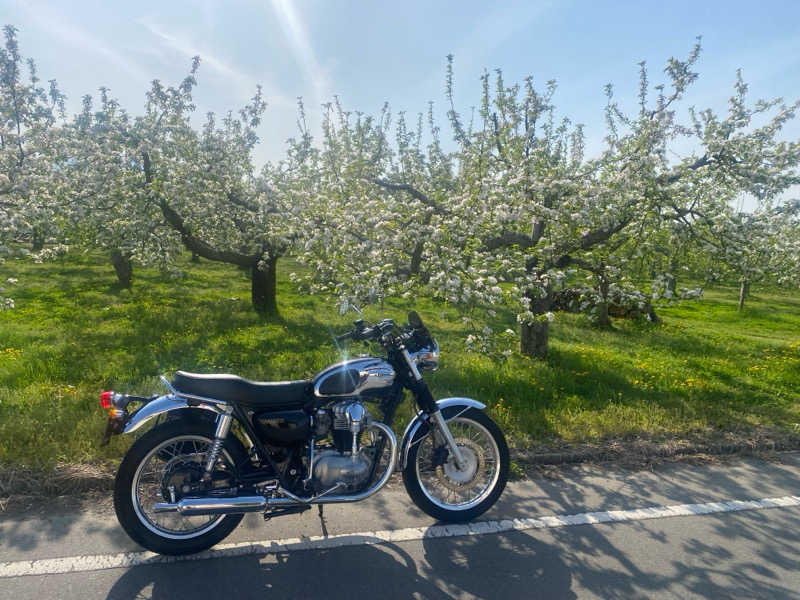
point(23, 489)
point(642, 451)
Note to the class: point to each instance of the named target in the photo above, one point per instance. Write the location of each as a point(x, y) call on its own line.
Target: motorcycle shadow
point(510, 565)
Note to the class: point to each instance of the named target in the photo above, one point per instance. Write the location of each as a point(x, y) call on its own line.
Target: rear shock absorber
point(223, 427)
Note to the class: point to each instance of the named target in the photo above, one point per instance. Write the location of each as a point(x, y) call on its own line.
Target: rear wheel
point(443, 489)
point(165, 465)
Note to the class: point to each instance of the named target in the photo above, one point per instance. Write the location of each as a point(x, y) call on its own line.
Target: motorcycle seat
point(235, 389)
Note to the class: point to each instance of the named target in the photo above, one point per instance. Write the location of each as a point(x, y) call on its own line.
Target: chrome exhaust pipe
point(214, 506)
point(244, 504)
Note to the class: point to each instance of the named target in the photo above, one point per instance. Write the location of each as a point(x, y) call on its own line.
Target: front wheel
point(443, 490)
point(162, 466)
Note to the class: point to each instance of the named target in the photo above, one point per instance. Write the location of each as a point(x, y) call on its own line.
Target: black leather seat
point(232, 388)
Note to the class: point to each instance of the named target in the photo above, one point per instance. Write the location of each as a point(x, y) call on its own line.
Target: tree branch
point(510, 238)
point(241, 202)
point(414, 192)
point(676, 174)
point(601, 235)
point(190, 241)
point(500, 153)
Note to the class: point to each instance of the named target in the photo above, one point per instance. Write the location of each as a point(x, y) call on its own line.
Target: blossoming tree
point(31, 146)
point(374, 205)
point(540, 209)
point(198, 186)
point(760, 246)
point(518, 210)
point(107, 205)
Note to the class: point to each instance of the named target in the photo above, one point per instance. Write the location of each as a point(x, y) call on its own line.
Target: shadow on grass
point(77, 334)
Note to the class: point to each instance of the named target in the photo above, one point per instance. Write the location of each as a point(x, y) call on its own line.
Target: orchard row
point(511, 213)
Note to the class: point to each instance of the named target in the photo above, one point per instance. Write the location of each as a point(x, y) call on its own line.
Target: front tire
point(142, 480)
point(439, 487)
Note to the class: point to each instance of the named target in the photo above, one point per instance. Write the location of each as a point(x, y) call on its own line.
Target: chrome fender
point(415, 433)
point(159, 406)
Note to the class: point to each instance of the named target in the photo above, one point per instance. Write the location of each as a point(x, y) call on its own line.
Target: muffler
point(214, 506)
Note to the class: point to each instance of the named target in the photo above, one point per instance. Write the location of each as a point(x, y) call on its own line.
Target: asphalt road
point(385, 548)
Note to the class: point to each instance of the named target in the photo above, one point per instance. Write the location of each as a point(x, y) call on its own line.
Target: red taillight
point(105, 399)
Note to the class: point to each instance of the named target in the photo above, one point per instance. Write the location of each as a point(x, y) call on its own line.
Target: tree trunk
point(744, 289)
point(263, 289)
point(651, 314)
point(416, 258)
point(534, 338)
point(123, 267)
point(603, 319)
point(37, 240)
point(672, 279)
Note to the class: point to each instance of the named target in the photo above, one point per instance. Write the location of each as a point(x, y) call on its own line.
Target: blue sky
point(371, 52)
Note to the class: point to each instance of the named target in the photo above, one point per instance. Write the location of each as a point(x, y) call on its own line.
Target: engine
point(347, 462)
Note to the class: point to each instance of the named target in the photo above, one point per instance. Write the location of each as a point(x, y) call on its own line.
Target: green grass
point(706, 368)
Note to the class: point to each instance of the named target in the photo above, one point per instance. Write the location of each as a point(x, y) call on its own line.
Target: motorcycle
point(221, 446)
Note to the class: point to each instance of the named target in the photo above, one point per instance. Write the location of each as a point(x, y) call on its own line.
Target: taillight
point(105, 399)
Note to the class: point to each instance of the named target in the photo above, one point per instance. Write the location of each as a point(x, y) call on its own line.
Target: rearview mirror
point(347, 305)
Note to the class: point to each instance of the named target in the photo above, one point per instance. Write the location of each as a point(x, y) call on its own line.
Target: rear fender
point(163, 405)
point(418, 428)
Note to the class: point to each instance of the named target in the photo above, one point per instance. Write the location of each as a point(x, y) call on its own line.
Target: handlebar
point(364, 333)
point(380, 331)
point(344, 337)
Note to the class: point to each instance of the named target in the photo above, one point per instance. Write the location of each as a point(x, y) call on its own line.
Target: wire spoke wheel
point(166, 465)
point(166, 475)
point(438, 485)
point(449, 486)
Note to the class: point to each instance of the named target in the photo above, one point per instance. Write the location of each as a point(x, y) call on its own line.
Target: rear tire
point(130, 512)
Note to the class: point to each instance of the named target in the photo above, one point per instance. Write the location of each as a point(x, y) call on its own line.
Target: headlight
point(427, 357)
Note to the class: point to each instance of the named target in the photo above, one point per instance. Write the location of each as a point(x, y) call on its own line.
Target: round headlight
point(427, 357)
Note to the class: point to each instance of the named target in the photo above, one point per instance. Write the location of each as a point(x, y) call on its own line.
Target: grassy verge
point(705, 369)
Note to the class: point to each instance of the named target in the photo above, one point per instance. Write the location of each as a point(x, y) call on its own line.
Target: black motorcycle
point(222, 446)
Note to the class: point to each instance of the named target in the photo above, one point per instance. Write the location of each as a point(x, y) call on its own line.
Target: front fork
point(428, 404)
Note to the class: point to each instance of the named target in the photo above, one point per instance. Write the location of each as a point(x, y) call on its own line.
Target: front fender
point(159, 406)
point(418, 427)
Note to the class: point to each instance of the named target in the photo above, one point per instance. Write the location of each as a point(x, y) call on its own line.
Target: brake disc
point(453, 478)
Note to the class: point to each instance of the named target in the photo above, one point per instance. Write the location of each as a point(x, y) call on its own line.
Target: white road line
point(77, 564)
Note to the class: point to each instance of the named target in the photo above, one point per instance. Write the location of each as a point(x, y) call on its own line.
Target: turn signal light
point(105, 399)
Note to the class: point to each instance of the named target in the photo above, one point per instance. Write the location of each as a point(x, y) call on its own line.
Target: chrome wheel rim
point(450, 487)
point(146, 489)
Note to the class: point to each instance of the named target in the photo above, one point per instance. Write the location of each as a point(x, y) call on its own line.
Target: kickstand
point(322, 521)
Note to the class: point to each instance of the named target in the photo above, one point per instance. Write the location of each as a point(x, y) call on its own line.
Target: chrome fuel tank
point(354, 377)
